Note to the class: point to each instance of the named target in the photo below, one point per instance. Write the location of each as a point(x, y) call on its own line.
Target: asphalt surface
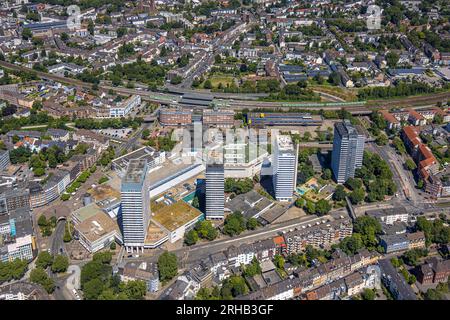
point(192, 254)
point(57, 246)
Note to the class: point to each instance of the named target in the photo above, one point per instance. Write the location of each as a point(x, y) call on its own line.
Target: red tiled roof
point(412, 136)
point(415, 114)
point(388, 117)
point(426, 152)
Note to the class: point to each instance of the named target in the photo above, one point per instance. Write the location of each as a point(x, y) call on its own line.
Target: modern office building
point(135, 205)
point(348, 150)
point(215, 186)
point(4, 159)
point(284, 165)
point(218, 117)
point(175, 117)
point(123, 108)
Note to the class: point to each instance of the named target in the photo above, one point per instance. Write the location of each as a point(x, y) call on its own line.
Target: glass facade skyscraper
point(135, 205)
point(348, 150)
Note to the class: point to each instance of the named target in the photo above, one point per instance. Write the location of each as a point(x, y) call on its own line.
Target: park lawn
point(314, 197)
point(224, 79)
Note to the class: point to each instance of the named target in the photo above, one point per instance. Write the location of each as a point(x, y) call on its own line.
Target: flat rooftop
point(176, 215)
point(147, 153)
point(103, 192)
point(97, 226)
point(285, 142)
point(87, 212)
point(154, 233)
point(136, 171)
point(167, 170)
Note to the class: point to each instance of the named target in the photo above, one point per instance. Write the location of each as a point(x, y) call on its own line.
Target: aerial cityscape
point(224, 150)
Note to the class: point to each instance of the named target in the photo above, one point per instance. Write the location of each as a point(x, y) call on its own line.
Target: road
point(193, 254)
point(57, 246)
point(73, 282)
point(402, 178)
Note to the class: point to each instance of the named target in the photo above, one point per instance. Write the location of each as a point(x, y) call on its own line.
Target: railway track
point(359, 107)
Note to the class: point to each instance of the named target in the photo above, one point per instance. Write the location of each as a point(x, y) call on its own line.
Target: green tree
point(104, 257)
point(145, 133)
point(396, 262)
point(234, 224)
point(352, 244)
point(191, 237)
point(252, 223)
point(310, 207)
point(368, 294)
point(399, 145)
point(233, 286)
point(356, 196)
point(326, 174)
point(64, 37)
point(95, 269)
point(410, 165)
point(252, 269)
point(39, 276)
point(322, 207)
point(300, 202)
point(433, 294)
point(207, 84)
point(420, 184)
point(93, 288)
point(44, 260)
point(206, 230)
point(279, 261)
point(167, 266)
point(60, 264)
point(12, 270)
point(42, 221)
point(176, 80)
point(297, 259)
point(353, 183)
point(134, 290)
point(368, 227)
point(412, 279)
point(196, 202)
point(392, 59)
point(339, 193)
point(65, 196)
point(38, 172)
point(27, 34)
point(381, 140)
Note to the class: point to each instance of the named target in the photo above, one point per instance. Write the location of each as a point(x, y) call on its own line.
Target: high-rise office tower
point(284, 167)
point(215, 188)
point(348, 150)
point(135, 205)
